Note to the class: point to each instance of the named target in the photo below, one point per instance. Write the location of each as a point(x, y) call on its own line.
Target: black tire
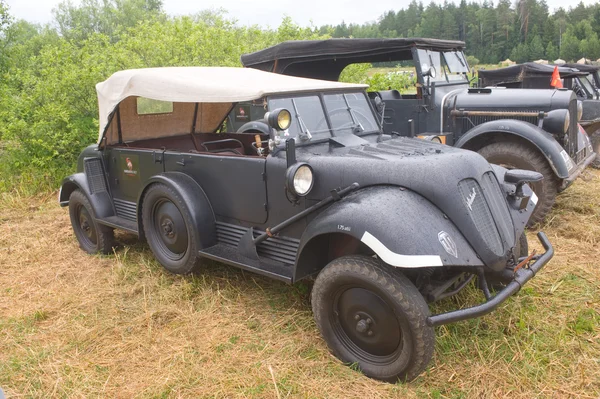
point(93, 237)
point(374, 317)
point(517, 155)
point(169, 230)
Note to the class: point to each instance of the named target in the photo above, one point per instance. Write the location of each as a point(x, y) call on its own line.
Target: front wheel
point(373, 317)
point(513, 155)
point(93, 237)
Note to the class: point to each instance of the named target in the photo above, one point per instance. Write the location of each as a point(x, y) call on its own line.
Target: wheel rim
point(170, 229)
point(366, 325)
point(86, 226)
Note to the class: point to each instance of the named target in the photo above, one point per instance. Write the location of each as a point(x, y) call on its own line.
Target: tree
point(570, 46)
point(551, 52)
point(536, 48)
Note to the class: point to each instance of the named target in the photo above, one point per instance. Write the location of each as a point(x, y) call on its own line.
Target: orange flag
point(555, 81)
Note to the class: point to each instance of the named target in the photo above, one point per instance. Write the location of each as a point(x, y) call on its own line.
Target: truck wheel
point(373, 317)
point(513, 155)
point(169, 230)
point(93, 237)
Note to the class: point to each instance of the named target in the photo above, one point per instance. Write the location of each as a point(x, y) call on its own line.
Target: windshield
point(588, 86)
point(448, 66)
point(338, 114)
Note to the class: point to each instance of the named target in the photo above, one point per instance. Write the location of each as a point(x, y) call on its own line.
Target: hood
point(496, 98)
point(441, 174)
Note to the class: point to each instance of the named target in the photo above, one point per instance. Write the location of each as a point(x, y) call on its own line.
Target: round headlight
point(567, 122)
point(579, 110)
point(279, 119)
point(300, 179)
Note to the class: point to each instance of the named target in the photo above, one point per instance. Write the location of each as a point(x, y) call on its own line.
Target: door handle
point(157, 158)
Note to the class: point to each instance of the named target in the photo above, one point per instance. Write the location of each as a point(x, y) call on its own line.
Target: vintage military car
point(383, 225)
point(582, 80)
point(535, 130)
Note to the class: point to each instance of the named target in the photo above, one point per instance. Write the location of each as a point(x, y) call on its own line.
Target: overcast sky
point(262, 12)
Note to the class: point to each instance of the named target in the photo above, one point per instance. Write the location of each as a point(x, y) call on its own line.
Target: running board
point(231, 256)
point(119, 223)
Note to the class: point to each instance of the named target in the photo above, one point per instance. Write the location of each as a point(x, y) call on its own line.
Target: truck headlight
point(299, 179)
point(579, 110)
point(557, 121)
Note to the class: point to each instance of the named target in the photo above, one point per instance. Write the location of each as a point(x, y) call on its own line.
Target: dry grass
point(73, 325)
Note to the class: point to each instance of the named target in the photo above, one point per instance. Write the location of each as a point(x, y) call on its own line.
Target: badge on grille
point(448, 243)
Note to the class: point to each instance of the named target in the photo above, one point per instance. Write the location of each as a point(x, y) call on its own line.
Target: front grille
point(469, 122)
point(495, 198)
point(95, 175)
point(571, 145)
point(479, 211)
point(280, 249)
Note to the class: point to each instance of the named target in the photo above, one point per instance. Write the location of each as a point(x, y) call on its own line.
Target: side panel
point(557, 157)
point(413, 235)
point(234, 185)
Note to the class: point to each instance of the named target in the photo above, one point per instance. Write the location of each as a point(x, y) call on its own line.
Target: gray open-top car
point(526, 129)
point(383, 225)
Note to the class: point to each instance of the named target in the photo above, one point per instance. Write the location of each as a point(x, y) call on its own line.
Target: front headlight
point(557, 121)
point(579, 110)
point(299, 179)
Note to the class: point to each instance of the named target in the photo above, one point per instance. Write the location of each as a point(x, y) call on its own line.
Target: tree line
point(522, 30)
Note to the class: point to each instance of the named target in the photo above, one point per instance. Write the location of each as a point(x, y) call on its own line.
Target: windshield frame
point(321, 96)
point(423, 56)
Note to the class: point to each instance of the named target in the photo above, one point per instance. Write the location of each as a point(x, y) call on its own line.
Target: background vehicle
point(582, 79)
point(535, 129)
point(323, 194)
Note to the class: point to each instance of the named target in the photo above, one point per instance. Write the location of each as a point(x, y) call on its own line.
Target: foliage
point(48, 108)
point(472, 60)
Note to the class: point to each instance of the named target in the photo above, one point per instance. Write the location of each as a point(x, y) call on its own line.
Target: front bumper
point(521, 277)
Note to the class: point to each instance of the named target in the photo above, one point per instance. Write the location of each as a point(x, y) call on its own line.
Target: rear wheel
point(373, 317)
point(93, 237)
point(169, 230)
point(514, 155)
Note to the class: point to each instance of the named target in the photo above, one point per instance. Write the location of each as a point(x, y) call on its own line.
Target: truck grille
point(469, 122)
point(479, 211)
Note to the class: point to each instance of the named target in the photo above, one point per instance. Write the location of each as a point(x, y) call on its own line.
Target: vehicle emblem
point(448, 243)
point(471, 199)
point(129, 164)
point(242, 112)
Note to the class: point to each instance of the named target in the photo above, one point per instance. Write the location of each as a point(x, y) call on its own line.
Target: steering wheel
point(337, 111)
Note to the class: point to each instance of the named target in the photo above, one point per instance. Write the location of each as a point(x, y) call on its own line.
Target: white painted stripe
point(399, 260)
point(534, 198)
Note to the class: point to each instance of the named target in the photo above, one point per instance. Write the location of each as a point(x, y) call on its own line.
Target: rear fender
point(557, 157)
point(100, 201)
point(404, 229)
point(203, 217)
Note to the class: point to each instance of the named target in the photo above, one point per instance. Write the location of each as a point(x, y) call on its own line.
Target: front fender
point(196, 200)
point(557, 157)
point(414, 234)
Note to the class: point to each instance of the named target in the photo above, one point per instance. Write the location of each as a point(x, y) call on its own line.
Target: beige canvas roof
point(201, 85)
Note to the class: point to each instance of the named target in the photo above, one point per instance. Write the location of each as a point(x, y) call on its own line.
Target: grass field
point(79, 326)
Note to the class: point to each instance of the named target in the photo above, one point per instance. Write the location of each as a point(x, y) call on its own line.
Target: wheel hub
point(368, 321)
point(171, 229)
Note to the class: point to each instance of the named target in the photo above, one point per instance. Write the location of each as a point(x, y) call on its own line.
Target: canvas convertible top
point(582, 67)
point(517, 73)
point(327, 58)
point(200, 85)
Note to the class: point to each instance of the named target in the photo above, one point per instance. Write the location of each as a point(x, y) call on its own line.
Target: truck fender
point(203, 216)
point(560, 162)
point(413, 233)
point(100, 201)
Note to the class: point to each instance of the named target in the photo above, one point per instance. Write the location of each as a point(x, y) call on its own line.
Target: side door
point(127, 169)
point(234, 185)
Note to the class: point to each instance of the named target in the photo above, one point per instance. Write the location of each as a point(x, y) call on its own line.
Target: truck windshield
point(449, 65)
point(589, 88)
point(338, 114)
